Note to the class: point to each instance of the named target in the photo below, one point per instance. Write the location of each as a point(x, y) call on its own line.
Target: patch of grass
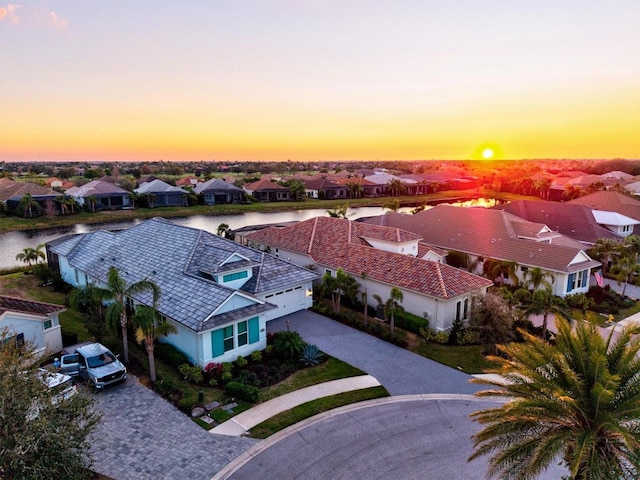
point(332, 369)
point(467, 358)
point(627, 312)
point(309, 409)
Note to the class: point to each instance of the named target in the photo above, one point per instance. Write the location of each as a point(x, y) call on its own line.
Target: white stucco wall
point(46, 342)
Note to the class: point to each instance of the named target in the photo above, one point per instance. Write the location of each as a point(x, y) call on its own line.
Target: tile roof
point(611, 201)
point(174, 257)
point(215, 184)
point(158, 186)
point(490, 234)
point(341, 243)
point(264, 184)
point(11, 189)
point(95, 188)
point(26, 306)
point(575, 221)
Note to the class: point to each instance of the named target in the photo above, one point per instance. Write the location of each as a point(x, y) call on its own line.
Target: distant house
point(217, 191)
point(324, 188)
point(379, 258)
point(36, 322)
point(54, 182)
point(161, 194)
point(107, 195)
point(219, 295)
point(267, 191)
point(577, 221)
point(495, 234)
point(190, 181)
point(11, 192)
point(612, 201)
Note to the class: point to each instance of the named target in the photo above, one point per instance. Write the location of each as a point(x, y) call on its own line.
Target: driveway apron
point(401, 372)
point(142, 436)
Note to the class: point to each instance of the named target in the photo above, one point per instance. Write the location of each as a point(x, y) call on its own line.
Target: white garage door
point(288, 301)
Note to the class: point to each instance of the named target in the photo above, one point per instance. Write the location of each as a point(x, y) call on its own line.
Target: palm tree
point(392, 205)
point(62, 201)
point(396, 187)
point(576, 401)
point(339, 212)
point(536, 277)
point(149, 326)
point(545, 302)
point(222, 228)
point(355, 189)
point(392, 306)
point(28, 204)
point(503, 269)
point(92, 201)
point(118, 291)
point(625, 269)
point(604, 250)
point(365, 312)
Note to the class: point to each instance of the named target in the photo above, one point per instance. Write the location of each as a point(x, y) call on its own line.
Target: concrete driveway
point(396, 438)
point(400, 371)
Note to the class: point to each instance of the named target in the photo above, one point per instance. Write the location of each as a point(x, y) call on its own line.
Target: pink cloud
point(11, 13)
point(56, 20)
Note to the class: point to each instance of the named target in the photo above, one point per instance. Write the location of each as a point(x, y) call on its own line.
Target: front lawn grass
point(309, 409)
point(332, 369)
point(466, 358)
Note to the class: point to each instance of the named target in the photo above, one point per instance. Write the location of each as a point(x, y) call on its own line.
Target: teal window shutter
point(254, 330)
point(217, 342)
point(570, 282)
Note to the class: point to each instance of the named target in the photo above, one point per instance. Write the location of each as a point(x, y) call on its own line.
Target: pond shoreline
point(12, 224)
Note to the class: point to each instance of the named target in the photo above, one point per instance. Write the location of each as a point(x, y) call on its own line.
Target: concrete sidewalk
point(248, 419)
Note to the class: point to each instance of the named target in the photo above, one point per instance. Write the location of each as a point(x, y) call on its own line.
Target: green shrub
point(248, 393)
point(441, 337)
point(170, 354)
point(241, 361)
point(410, 322)
point(166, 387)
point(227, 367)
point(226, 377)
point(191, 373)
point(288, 344)
point(256, 356)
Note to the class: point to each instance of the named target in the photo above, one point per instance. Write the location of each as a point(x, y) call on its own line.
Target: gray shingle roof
point(158, 186)
point(215, 184)
point(172, 256)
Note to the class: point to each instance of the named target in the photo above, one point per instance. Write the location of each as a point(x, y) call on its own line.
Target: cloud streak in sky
point(56, 20)
point(9, 13)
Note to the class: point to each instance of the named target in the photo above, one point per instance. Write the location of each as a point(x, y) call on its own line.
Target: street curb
point(241, 460)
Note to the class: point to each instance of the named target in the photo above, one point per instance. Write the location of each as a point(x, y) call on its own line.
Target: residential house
point(11, 193)
point(324, 188)
point(573, 220)
point(100, 195)
point(189, 181)
point(36, 322)
point(267, 191)
point(495, 234)
point(161, 194)
point(612, 201)
point(369, 189)
point(219, 295)
point(379, 258)
point(54, 183)
point(217, 191)
point(382, 179)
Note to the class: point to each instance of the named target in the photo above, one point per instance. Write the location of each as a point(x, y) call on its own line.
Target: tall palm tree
point(354, 189)
point(576, 401)
point(92, 200)
point(604, 250)
point(392, 205)
point(118, 291)
point(62, 201)
point(339, 212)
point(28, 204)
point(149, 326)
point(222, 228)
point(536, 277)
point(545, 302)
point(392, 306)
point(503, 269)
point(625, 268)
point(396, 187)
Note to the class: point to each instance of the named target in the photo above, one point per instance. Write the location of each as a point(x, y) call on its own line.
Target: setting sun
point(487, 153)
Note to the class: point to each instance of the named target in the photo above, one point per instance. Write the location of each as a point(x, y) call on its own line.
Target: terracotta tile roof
point(487, 233)
point(341, 243)
point(27, 306)
point(263, 184)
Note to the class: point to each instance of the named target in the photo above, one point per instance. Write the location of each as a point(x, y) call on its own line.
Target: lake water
point(12, 243)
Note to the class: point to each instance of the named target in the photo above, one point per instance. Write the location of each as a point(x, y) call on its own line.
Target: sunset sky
point(319, 80)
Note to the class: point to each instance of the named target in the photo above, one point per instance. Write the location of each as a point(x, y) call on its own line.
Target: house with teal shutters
point(218, 294)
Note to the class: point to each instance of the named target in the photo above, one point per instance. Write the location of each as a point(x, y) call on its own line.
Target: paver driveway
point(400, 371)
point(142, 436)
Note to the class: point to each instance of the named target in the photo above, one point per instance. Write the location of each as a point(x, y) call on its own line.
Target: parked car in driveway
point(95, 364)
